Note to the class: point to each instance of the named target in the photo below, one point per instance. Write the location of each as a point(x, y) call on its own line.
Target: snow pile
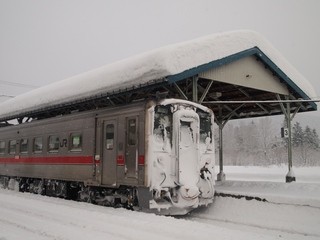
point(32, 217)
point(150, 66)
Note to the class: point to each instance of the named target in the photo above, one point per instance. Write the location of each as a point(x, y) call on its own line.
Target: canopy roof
point(179, 70)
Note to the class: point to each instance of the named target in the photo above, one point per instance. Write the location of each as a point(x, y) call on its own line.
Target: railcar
point(156, 156)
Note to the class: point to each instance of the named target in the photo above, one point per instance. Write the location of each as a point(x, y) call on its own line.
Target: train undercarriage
point(122, 197)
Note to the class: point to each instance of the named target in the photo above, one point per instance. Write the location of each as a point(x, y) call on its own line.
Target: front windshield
point(163, 127)
point(205, 129)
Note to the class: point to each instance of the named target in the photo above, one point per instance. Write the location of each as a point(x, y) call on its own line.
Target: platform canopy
point(237, 66)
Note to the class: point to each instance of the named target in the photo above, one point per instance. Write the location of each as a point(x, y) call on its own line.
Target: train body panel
point(155, 155)
point(42, 149)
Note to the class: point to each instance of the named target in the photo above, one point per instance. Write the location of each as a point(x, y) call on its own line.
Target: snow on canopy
point(149, 66)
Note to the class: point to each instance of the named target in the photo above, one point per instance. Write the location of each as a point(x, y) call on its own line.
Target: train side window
point(37, 145)
point(12, 146)
point(109, 136)
point(132, 132)
point(2, 147)
point(53, 144)
point(76, 142)
point(24, 145)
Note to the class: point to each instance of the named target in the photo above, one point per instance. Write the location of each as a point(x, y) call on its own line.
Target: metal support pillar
point(221, 175)
point(221, 122)
point(290, 177)
point(195, 89)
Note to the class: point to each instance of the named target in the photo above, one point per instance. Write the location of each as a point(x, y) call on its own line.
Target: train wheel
point(37, 186)
point(4, 182)
point(85, 194)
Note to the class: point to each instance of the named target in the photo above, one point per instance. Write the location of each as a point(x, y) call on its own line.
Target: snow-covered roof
point(147, 67)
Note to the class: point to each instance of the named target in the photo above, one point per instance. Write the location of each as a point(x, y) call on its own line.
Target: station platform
point(306, 194)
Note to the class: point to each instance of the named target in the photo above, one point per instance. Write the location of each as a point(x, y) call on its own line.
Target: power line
point(263, 101)
point(8, 96)
point(17, 84)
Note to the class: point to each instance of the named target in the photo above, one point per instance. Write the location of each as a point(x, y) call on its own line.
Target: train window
point(54, 143)
point(132, 132)
point(205, 130)
point(109, 136)
point(163, 128)
point(24, 145)
point(37, 145)
point(186, 134)
point(12, 146)
point(2, 147)
point(76, 142)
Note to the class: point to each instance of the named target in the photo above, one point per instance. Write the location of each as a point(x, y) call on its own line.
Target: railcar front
point(180, 153)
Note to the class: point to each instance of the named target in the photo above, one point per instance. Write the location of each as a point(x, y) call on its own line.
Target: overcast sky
point(46, 41)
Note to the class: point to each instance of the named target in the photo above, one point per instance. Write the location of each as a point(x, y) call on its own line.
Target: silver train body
point(154, 156)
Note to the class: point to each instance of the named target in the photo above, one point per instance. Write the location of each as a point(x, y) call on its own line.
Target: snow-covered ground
point(292, 212)
point(271, 173)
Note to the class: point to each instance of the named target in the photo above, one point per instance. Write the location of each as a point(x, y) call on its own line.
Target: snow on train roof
point(149, 66)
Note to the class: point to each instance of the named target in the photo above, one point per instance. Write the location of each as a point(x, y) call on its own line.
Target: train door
point(109, 165)
point(187, 146)
point(132, 147)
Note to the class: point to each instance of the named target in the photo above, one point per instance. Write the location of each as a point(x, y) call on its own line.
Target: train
point(152, 156)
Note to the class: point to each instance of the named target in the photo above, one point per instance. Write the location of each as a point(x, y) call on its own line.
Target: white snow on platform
point(289, 207)
point(271, 173)
point(275, 192)
point(286, 218)
point(269, 183)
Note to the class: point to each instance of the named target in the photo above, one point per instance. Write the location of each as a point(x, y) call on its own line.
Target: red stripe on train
point(141, 160)
point(120, 160)
point(66, 160)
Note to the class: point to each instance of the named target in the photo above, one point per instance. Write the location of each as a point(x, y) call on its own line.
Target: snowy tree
point(297, 135)
point(305, 142)
point(256, 142)
point(316, 138)
point(311, 138)
point(266, 139)
point(311, 145)
point(239, 138)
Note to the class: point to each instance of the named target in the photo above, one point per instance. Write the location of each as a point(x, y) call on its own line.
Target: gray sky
point(46, 41)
